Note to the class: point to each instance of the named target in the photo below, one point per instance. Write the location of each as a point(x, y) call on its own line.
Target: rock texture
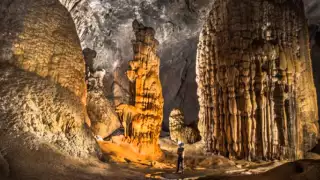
point(40, 111)
point(104, 119)
point(103, 26)
point(142, 118)
point(41, 42)
point(4, 166)
point(255, 82)
point(179, 131)
point(312, 11)
point(42, 92)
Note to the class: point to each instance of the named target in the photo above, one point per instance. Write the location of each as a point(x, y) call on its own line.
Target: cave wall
point(35, 41)
point(43, 91)
point(315, 56)
point(104, 26)
point(312, 11)
point(255, 82)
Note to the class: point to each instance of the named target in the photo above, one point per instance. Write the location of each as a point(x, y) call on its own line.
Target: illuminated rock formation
point(142, 118)
point(47, 45)
point(42, 92)
point(255, 82)
point(179, 131)
point(40, 111)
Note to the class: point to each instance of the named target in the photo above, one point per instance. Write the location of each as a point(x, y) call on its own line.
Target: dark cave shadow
point(314, 31)
point(185, 95)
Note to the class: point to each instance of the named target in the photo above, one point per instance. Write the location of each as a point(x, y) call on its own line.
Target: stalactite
point(142, 119)
point(255, 85)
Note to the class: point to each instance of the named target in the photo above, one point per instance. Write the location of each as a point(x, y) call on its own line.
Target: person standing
point(180, 153)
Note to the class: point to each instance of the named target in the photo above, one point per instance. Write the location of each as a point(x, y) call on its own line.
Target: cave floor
point(196, 165)
point(167, 171)
point(200, 166)
point(241, 170)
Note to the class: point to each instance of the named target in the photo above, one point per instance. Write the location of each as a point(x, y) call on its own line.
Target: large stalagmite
point(179, 131)
point(255, 82)
point(43, 43)
point(42, 91)
point(143, 117)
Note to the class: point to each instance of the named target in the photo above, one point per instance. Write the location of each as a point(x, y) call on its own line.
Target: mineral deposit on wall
point(256, 91)
point(142, 118)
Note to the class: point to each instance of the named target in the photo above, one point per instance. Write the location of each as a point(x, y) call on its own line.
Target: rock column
point(255, 82)
point(142, 118)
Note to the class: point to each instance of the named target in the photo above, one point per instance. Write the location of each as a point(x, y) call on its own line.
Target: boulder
point(39, 111)
point(43, 91)
point(40, 37)
point(104, 120)
point(179, 131)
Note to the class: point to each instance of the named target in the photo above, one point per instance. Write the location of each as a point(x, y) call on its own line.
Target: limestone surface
point(4, 167)
point(179, 131)
point(255, 82)
point(38, 111)
point(104, 26)
point(43, 90)
point(142, 118)
point(101, 111)
point(40, 37)
point(104, 120)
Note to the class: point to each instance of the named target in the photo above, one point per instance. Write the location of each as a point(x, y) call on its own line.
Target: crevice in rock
point(183, 79)
point(190, 5)
point(75, 5)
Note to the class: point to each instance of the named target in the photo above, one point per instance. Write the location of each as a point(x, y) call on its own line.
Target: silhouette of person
point(180, 153)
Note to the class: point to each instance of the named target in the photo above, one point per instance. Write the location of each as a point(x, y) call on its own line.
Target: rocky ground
point(47, 163)
point(199, 166)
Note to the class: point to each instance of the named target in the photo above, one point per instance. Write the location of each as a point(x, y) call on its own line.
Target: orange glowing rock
point(142, 118)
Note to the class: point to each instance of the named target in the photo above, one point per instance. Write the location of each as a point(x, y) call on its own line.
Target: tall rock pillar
point(255, 82)
point(142, 118)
